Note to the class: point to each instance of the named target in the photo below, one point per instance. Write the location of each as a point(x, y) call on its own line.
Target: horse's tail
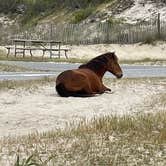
point(60, 88)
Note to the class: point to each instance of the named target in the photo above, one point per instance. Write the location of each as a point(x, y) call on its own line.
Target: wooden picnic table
point(21, 45)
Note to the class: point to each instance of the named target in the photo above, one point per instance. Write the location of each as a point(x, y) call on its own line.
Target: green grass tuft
point(82, 14)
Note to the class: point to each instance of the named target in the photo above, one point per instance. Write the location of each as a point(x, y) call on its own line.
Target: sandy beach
point(25, 110)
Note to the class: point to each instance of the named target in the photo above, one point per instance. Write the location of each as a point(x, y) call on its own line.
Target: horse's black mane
point(97, 62)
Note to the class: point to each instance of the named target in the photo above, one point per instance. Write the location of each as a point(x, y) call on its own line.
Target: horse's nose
point(120, 75)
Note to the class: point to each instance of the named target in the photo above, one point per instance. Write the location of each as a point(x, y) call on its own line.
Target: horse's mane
point(98, 62)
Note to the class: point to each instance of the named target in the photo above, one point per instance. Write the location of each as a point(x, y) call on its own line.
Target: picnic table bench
point(35, 45)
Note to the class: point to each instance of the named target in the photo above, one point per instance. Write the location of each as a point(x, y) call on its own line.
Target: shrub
point(149, 40)
point(7, 6)
point(82, 14)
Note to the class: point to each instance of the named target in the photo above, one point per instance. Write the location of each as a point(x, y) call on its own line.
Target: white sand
point(27, 110)
point(143, 10)
point(124, 52)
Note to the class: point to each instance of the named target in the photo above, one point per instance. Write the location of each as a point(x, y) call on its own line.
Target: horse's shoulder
point(87, 72)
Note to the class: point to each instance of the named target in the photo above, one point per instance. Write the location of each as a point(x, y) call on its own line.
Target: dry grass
point(12, 68)
point(40, 59)
point(29, 84)
point(78, 60)
point(139, 139)
point(147, 61)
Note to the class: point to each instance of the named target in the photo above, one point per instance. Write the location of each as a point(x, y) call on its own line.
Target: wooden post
point(158, 26)
point(59, 52)
point(15, 47)
point(107, 32)
point(24, 49)
point(51, 31)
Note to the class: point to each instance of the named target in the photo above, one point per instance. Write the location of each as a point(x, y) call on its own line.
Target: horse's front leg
point(106, 89)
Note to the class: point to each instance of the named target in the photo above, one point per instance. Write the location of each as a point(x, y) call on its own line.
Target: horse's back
point(72, 80)
point(70, 76)
point(76, 75)
point(78, 79)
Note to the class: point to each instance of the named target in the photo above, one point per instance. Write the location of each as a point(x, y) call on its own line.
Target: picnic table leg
point(66, 54)
point(43, 53)
point(59, 52)
point(50, 51)
point(8, 52)
point(31, 53)
point(15, 52)
point(24, 50)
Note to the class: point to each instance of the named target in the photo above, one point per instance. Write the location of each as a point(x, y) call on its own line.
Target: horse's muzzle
point(119, 75)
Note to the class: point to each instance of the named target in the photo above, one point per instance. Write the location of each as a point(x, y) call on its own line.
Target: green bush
point(38, 8)
point(82, 14)
point(83, 3)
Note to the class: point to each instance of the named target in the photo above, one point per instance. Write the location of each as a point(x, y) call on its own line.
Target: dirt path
point(27, 110)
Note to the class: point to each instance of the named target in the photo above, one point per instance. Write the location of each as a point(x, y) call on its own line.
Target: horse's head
point(113, 65)
point(103, 63)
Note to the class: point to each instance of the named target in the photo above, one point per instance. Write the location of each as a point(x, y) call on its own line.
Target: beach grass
point(12, 68)
point(13, 84)
point(40, 59)
point(109, 140)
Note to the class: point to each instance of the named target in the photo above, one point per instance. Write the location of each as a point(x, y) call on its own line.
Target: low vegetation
point(126, 140)
point(40, 59)
point(144, 61)
point(13, 84)
point(39, 8)
point(12, 68)
point(78, 60)
point(82, 14)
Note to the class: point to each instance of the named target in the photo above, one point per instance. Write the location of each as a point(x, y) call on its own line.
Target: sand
point(35, 110)
point(148, 12)
point(124, 52)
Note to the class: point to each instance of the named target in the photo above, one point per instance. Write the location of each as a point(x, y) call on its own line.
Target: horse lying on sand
point(86, 81)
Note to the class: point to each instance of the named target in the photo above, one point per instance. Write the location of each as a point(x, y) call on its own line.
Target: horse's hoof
point(109, 92)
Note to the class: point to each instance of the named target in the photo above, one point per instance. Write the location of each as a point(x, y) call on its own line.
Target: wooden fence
point(95, 33)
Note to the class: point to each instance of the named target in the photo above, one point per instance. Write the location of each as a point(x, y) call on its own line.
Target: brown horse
point(86, 81)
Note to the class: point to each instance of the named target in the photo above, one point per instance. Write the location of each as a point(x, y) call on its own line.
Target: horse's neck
point(100, 73)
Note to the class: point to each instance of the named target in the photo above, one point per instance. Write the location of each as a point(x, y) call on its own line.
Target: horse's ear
point(114, 55)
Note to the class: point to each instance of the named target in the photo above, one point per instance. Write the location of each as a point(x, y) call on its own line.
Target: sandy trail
point(27, 110)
